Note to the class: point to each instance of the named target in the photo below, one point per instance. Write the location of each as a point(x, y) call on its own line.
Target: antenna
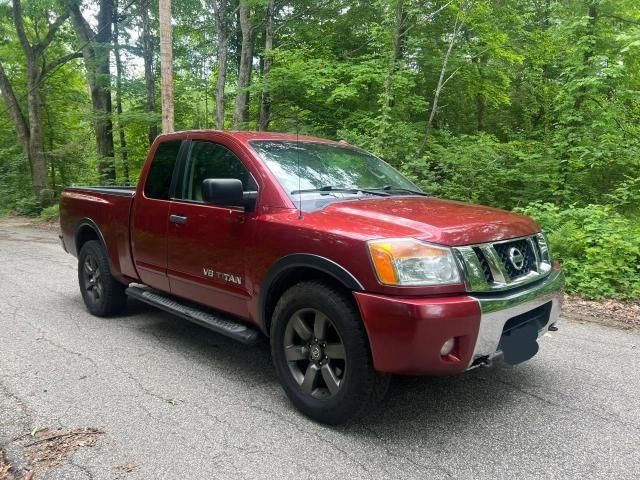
point(298, 167)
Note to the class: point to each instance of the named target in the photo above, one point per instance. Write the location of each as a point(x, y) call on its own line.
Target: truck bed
point(122, 191)
point(107, 208)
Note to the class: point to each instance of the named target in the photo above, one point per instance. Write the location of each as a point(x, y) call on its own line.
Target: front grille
point(524, 247)
point(494, 266)
point(484, 263)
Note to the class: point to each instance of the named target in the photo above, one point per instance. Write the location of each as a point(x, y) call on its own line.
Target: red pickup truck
point(350, 270)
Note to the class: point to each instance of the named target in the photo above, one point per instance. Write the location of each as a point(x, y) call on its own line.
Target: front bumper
point(407, 333)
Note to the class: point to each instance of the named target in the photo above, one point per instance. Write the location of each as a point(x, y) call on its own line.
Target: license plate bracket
point(519, 340)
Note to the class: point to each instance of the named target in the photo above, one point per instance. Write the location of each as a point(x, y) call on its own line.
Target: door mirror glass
point(222, 191)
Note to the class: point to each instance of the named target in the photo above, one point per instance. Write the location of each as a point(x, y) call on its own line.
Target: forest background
point(527, 105)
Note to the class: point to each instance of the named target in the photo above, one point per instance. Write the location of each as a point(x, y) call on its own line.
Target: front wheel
point(321, 354)
point(103, 295)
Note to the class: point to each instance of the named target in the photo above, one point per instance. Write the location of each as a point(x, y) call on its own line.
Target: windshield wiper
point(388, 188)
point(329, 188)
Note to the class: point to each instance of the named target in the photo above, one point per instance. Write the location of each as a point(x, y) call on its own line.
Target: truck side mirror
point(222, 191)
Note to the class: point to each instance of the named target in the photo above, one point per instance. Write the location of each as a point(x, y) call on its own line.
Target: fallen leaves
point(49, 448)
point(5, 468)
point(126, 468)
point(608, 312)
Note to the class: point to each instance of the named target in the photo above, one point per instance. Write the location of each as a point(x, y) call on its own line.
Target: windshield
point(324, 169)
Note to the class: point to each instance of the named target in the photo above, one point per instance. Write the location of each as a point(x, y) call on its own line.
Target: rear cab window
point(158, 184)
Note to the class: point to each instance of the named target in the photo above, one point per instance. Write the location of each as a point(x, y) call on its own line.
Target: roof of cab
point(246, 136)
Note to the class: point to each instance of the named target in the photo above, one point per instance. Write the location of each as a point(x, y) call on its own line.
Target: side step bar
point(213, 321)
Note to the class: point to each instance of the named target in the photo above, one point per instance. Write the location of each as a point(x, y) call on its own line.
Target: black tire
point(103, 295)
point(352, 386)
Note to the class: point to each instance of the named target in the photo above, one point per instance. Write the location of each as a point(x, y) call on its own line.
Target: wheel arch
point(293, 269)
point(87, 230)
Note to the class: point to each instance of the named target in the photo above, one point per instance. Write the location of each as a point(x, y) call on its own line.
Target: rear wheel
point(321, 353)
point(103, 295)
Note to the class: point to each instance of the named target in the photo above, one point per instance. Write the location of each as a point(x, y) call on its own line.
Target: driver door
point(207, 243)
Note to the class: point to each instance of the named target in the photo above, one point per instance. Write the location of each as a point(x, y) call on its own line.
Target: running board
point(217, 322)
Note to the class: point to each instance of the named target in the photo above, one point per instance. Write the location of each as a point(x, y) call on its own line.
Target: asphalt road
point(176, 401)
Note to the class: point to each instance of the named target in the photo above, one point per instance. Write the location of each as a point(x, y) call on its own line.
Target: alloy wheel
point(315, 353)
point(92, 278)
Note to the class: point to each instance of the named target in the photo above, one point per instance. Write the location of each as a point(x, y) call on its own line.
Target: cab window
point(212, 160)
point(159, 178)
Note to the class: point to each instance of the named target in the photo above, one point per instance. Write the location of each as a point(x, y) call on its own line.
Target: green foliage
point(598, 248)
point(541, 101)
point(50, 213)
point(481, 169)
point(27, 206)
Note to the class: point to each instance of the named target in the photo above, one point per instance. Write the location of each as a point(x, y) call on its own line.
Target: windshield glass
point(332, 169)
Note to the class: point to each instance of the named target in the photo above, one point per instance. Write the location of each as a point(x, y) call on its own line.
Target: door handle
point(181, 219)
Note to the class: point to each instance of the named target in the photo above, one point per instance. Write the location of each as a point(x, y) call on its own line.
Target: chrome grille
point(484, 264)
point(505, 264)
point(525, 247)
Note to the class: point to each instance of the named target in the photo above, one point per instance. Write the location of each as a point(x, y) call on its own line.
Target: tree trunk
point(481, 105)
point(147, 56)
point(481, 100)
point(166, 65)
point(104, 123)
point(29, 128)
point(121, 133)
point(241, 112)
point(588, 53)
point(220, 10)
point(39, 176)
point(15, 112)
point(265, 102)
point(396, 53)
point(442, 81)
point(96, 49)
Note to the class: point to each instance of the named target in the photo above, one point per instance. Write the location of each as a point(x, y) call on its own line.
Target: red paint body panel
point(406, 326)
point(111, 214)
point(438, 221)
point(406, 333)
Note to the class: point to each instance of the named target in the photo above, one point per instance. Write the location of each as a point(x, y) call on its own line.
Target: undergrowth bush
point(50, 213)
point(598, 247)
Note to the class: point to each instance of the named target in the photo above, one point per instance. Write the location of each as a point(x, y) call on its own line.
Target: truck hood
point(440, 221)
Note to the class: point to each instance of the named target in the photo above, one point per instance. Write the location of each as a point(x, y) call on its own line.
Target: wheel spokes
point(333, 384)
point(309, 379)
point(87, 267)
point(315, 353)
point(320, 326)
point(335, 351)
point(301, 328)
point(294, 353)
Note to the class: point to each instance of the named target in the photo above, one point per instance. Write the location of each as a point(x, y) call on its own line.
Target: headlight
point(405, 262)
point(543, 244)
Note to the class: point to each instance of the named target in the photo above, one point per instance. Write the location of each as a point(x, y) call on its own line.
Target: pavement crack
point(566, 405)
point(324, 440)
point(383, 443)
point(82, 468)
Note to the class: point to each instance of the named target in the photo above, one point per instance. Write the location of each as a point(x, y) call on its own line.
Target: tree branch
point(13, 107)
point(53, 28)
point(61, 61)
point(19, 22)
point(622, 19)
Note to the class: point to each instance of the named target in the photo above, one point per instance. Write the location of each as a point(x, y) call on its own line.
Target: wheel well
point(84, 234)
point(287, 279)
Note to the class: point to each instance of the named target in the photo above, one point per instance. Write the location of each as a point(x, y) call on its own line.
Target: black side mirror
point(222, 191)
